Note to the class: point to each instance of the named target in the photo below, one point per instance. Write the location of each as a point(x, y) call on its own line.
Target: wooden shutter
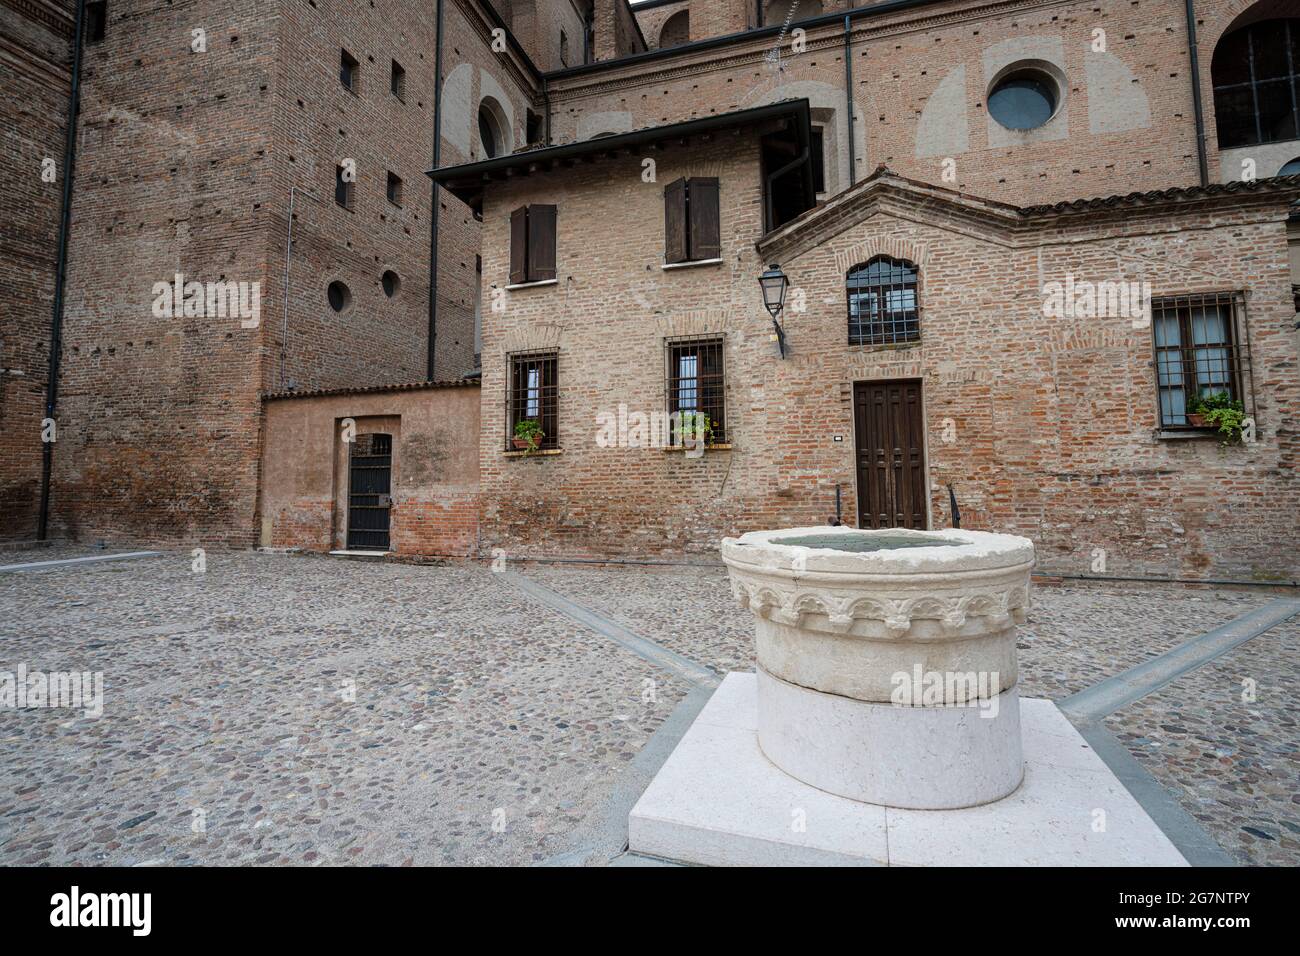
point(519, 245)
point(541, 243)
point(675, 222)
point(706, 227)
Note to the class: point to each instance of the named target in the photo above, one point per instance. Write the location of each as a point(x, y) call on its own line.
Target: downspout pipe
point(436, 200)
point(1198, 108)
point(848, 96)
point(61, 270)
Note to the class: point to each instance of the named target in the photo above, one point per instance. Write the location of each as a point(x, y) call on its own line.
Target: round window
point(1024, 99)
point(1290, 169)
point(340, 296)
point(392, 283)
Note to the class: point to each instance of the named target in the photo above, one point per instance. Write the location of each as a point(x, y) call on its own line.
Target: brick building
point(995, 118)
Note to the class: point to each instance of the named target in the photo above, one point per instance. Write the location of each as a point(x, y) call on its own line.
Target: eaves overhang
point(468, 181)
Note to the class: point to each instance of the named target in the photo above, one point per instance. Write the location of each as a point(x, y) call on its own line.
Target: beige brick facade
point(188, 161)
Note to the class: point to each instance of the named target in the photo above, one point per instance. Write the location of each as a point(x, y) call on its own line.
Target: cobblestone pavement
point(1233, 763)
point(227, 703)
point(1076, 636)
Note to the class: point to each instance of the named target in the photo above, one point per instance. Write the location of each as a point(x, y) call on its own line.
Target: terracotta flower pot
point(521, 444)
point(1197, 421)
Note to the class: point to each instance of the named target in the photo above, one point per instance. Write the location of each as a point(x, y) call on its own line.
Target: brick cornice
point(30, 64)
point(45, 13)
point(1009, 226)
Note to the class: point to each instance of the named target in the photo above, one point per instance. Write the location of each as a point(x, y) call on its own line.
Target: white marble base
point(927, 758)
point(717, 800)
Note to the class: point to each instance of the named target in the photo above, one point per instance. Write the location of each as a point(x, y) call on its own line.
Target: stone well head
point(887, 659)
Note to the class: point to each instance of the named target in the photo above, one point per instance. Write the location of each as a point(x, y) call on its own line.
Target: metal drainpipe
point(848, 94)
point(1197, 107)
point(61, 271)
point(433, 216)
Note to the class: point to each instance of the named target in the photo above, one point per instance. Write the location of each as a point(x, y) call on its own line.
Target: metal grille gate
point(370, 492)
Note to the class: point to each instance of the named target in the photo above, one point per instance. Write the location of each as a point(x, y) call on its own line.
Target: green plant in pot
point(528, 435)
point(694, 426)
point(1218, 411)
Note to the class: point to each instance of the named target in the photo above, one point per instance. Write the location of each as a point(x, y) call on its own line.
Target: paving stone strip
point(683, 667)
point(44, 565)
point(1135, 683)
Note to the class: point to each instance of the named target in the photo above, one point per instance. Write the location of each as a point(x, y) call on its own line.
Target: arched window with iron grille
point(883, 306)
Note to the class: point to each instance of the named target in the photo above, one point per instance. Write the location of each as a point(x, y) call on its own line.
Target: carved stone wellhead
point(887, 659)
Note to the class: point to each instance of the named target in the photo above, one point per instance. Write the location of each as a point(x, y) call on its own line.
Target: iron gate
point(370, 490)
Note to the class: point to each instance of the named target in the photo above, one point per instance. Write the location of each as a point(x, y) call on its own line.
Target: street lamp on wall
point(774, 283)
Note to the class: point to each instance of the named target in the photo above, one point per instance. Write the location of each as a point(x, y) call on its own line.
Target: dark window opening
point(883, 307)
point(342, 187)
point(533, 396)
point(696, 385)
point(348, 68)
point(533, 128)
point(692, 227)
point(340, 297)
point(532, 244)
point(96, 21)
point(394, 189)
point(819, 159)
point(787, 178)
point(391, 282)
point(397, 81)
point(564, 48)
point(488, 135)
point(1256, 76)
point(1196, 353)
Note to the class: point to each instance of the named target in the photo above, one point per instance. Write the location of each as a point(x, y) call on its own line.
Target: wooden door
point(889, 431)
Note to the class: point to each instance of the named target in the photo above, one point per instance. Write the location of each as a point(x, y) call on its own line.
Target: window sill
point(1182, 434)
point(885, 346)
point(539, 453)
point(690, 265)
point(721, 446)
point(531, 285)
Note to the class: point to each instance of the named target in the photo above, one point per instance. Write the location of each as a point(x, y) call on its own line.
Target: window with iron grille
point(883, 307)
point(1196, 352)
point(697, 385)
point(1256, 77)
point(534, 396)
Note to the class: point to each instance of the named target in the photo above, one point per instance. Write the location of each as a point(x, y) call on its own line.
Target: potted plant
point(696, 425)
point(528, 435)
point(1225, 415)
point(1196, 412)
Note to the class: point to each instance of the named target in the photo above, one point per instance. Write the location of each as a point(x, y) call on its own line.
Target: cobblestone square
point(285, 709)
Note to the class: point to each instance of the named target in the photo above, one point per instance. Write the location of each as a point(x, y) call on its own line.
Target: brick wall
point(920, 81)
point(1045, 427)
point(35, 73)
point(187, 162)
